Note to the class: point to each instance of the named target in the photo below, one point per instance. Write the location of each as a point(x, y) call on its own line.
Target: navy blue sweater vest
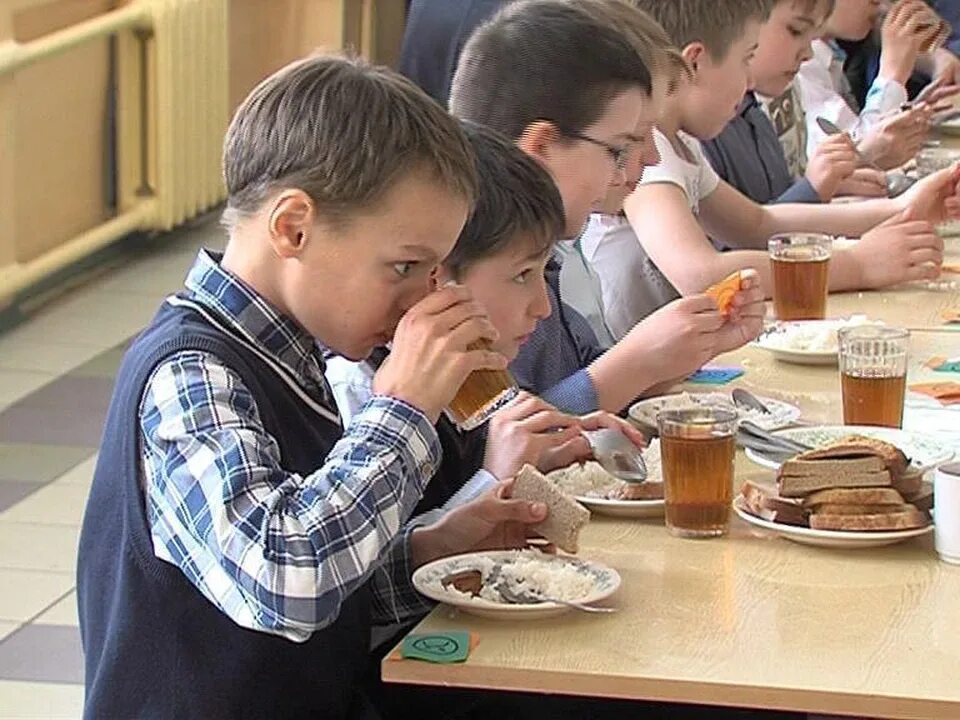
point(154, 646)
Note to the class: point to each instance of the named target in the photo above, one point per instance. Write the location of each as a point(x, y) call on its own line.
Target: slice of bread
point(857, 446)
point(909, 483)
point(765, 503)
point(565, 516)
point(854, 496)
point(923, 498)
point(800, 485)
point(853, 509)
point(840, 466)
point(904, 520)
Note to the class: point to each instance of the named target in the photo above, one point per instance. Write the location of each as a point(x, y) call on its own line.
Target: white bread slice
point(866, 523)
point(565, 516)
point(853, 509)
point(858, 446)
point(854, 496)
point(765, 503)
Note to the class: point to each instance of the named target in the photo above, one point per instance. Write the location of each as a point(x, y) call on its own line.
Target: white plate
point(784, 340)
point(781, 414)
point(924, 452)
point(828, 538)
point(620, 508)
point(427, 581)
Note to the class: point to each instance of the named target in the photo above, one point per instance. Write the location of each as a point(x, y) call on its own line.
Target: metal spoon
point(776, 446)
point(748, 401)
point(618, 456)
point(516, 597)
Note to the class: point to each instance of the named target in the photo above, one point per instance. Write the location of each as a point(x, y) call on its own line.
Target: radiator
point(172, 110)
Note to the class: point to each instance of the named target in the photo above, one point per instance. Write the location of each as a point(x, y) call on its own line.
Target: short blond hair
point(718, 24)
point(343, 131)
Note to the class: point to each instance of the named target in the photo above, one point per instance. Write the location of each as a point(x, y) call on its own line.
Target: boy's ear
point(537, 138)
point(694, 54)
point(291, 222)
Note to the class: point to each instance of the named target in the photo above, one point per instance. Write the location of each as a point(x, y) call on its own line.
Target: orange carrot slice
point(724, 291)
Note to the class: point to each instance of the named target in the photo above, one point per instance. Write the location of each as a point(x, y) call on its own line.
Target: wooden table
point(747, 620)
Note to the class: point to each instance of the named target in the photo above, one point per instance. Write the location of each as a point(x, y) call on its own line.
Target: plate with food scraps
point(781, 414)
point(807, 342)
point(471, 582)
point(828, 538)
point(925, 452)
point(600, 492)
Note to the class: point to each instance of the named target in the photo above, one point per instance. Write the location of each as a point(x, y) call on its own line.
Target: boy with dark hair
point(576, 86)
point(238, 540)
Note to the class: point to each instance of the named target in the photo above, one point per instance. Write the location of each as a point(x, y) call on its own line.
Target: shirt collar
point(241, 307)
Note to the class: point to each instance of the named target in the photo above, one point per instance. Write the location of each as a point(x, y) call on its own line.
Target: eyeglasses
point(619, 154)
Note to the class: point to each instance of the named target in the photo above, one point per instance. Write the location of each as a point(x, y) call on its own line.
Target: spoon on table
point(617, 454)
point(520, 597)
point(746, 400)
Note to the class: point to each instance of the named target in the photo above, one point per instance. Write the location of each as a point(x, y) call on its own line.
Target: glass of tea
point(800, 263)
point(697, 450)
point(873, 374)
point(481, 395)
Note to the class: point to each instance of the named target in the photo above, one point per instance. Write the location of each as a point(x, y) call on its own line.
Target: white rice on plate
point(592, 481)
point(814, 337)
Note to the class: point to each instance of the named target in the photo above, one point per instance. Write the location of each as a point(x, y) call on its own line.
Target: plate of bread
point(856, 492)
point(924, 452)
point(595, 488)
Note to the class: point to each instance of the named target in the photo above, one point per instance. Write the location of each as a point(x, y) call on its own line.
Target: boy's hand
point(429, 359)
point(578, 449)
point(677, 339)
point(902, 38)
point(834, 160)
point(746, 316)
point(491, 522)
point(896, 139)
point(901, 249)
point(865, 182)
point(523, 432)
point(935, 198)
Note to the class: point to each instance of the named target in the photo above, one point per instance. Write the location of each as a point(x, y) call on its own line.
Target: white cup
point(946, 496)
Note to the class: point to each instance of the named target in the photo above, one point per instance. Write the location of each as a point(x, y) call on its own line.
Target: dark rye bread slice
point(904, 520)
point(565, 516)
point(909, 483)
point(854, 496)
point(765, 503)
point(649, 490)
point(836, 477)
point(858, 446)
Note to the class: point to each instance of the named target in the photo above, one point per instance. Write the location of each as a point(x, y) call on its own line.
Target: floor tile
point(51, 426)
point(16, 384)
point(38, 547)
point(17, 353)
point(25, 462)
point(6, 629)
point(42, 653)
point(53, 504)
point(73, 392)
point(40, 701)
point(13, 492)
point(81, 474)
point(62, 613)
point(26, 593)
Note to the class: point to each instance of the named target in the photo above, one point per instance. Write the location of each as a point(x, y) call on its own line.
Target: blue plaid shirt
point(276, 551)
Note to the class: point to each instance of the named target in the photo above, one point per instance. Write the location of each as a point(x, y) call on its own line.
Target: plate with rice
point(781, 414)
point(525, 572)
point(807, 342)
point(602, 493)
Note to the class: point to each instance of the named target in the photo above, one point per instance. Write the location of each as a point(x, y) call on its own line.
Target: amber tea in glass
point(800, 264)
point(873, 374)
point(481, 395)
point(697, 450)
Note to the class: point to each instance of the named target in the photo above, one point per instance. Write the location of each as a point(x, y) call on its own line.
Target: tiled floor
point(56, 375)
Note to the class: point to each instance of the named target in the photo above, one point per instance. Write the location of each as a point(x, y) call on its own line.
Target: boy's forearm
point(620, 377)
point(851, 219)
point(846, 272)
